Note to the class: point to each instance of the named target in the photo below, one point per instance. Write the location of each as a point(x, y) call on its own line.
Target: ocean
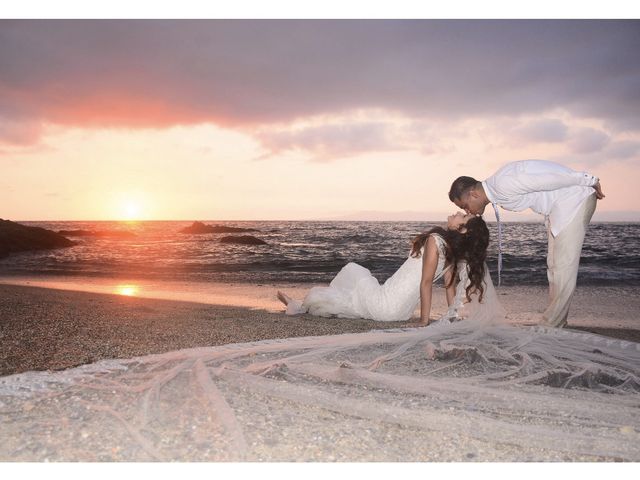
point(308, 252)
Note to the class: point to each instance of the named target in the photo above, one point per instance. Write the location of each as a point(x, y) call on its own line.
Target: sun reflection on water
point(128, 290)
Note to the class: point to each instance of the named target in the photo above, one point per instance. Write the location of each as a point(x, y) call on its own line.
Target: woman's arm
point(429, 265)
point(451, 290)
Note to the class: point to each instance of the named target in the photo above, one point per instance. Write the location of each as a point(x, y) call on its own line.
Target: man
point(565, 197)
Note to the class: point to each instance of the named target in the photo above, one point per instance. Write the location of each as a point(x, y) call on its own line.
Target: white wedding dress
point(355, 293)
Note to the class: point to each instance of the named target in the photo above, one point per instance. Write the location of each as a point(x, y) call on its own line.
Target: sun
point(130, 207)
point(131, 210)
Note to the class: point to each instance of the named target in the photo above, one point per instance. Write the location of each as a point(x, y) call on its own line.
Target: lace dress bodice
point(355, 293)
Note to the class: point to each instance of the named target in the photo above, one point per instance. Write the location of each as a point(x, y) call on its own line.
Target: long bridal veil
point(406, 394)
point(485, 312)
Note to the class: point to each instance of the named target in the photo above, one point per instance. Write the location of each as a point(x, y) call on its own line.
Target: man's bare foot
point(283, 298)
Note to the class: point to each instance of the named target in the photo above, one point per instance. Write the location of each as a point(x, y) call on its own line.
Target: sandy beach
point(53, 329)
point(157, 379)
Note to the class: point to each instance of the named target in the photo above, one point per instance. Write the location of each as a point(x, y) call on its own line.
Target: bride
point(456, 253)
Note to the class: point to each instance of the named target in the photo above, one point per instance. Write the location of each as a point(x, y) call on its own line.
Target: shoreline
point(54, 329)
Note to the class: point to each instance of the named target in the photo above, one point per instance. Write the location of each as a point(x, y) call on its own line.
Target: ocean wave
point(312, 252)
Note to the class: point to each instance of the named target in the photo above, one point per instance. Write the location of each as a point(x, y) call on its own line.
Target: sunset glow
point(276, 140)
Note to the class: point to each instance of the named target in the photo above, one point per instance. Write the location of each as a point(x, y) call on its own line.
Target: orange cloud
point(123, 109)
point(247, 73)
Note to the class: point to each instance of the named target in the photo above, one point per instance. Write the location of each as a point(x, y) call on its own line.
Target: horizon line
point(526, 220)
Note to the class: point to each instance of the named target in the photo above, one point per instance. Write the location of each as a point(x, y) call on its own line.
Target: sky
point(306, 119)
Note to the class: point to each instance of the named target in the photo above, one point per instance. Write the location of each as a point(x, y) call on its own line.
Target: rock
point(15, 237)
point(243, 240)
point(100, 233)
point(199, 227)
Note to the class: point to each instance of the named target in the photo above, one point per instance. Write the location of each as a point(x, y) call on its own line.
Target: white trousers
point(563, 259)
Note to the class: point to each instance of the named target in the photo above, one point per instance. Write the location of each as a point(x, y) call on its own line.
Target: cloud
point(588, 140)
point(246, 74)
point(19, 132)
point(327, 142)
point(594, 147)
point(356, 133)
point(544, 131)
point(623, 150)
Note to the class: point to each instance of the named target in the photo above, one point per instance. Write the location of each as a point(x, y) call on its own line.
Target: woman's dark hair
point(470, 246)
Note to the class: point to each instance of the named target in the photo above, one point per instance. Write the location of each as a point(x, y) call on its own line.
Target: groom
point(565, 197)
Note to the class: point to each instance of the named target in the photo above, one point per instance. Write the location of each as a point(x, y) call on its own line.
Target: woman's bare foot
point(283, 298)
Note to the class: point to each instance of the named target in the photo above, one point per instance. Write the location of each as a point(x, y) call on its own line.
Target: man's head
point(467, 193)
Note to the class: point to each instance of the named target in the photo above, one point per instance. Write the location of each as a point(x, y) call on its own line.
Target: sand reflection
point(129, 290)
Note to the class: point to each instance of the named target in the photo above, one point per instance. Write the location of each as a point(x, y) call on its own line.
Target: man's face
point(470, 202)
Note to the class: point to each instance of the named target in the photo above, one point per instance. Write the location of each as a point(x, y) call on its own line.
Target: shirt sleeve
point(544, 176)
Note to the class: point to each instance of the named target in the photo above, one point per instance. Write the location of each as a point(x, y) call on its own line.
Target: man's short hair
point(461, 185)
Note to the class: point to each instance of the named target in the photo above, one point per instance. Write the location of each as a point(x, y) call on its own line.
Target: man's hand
point(598, 189)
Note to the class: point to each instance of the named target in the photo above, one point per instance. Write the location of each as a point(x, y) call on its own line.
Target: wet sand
point(52, 329)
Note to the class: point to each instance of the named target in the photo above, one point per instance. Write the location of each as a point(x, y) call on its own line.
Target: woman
point(355, 293)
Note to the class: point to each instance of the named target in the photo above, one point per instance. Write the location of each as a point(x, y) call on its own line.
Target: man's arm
point(540, 176)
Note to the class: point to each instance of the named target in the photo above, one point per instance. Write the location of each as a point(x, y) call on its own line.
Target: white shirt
point(545, 187)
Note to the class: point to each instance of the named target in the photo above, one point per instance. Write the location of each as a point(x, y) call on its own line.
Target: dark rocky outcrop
point(199, 227)
point(15, 237)
point(99, 233)
point(243, 240)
